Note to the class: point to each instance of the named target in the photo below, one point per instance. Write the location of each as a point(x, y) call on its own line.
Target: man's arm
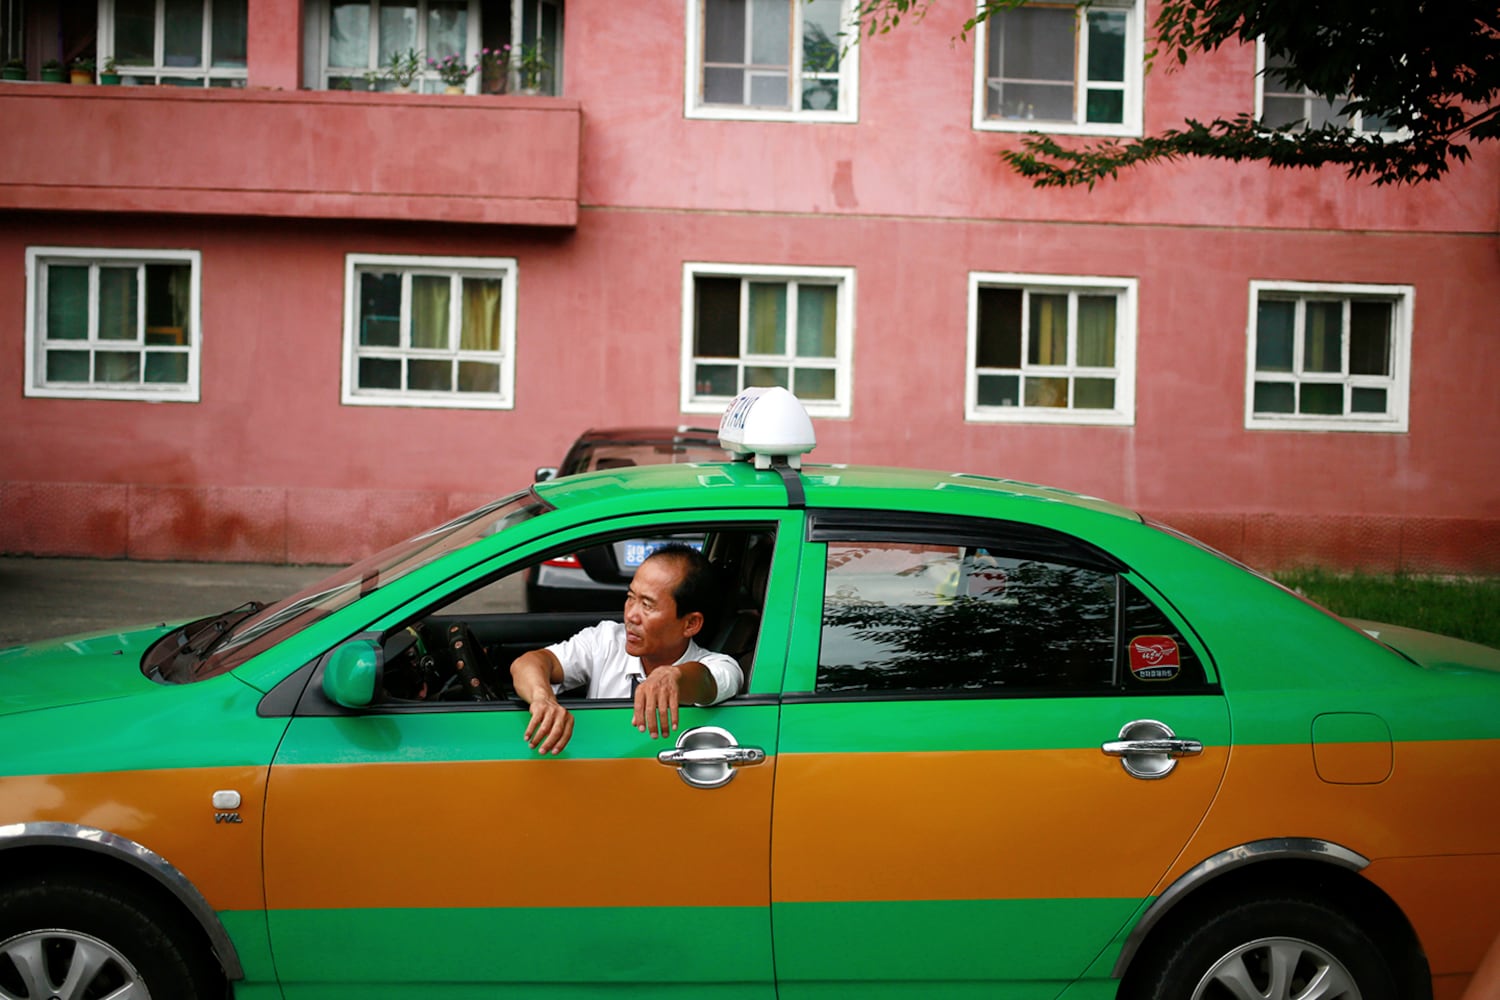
point(657, 697)
point(533, 675)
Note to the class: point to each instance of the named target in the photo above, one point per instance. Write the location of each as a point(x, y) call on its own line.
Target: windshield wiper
point(216, 630)
point(172, 658)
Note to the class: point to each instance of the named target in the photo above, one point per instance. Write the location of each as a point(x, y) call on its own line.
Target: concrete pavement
point(49, 598)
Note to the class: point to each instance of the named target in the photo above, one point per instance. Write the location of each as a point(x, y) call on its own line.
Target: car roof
point(682, 486)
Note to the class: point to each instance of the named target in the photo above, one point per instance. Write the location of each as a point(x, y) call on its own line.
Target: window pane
point(183, 33)
point(820, 95)
point(430, 376)
point(379, 373)
point(1156, 653)
point(999, 330)
point(1323, 337)
point(117, 303)
point(1364, 400)
point(68, 303)
point(1274, 397)
point(724, 86)
point(716, 310)
point(767, 320)
point(1320, 398)
point(168, 301)
point(1370, 338)
point(481, 315)
point(1282, 112)
point(999, 390)
point(1274, 324)
point(1046, 392)
point(814, 383)
point(717, 380)
point(1107, 46)
point(135, 32)
point(1094, 394)
point(447, 29)
point(817, 321)
point(764, 375)
point(166, 368)
point(229, 29)
point(1106, 106)
point(1034, 43)
point(724, 31)
point(67, 366)
point(769, 90)
point(1047, 343)
point(429, 311)
point(398, 28)
point(117, 366)
point(380, 308)
point(477, 376)
point(349, 35)
point(1096, 331)
point(770, 32)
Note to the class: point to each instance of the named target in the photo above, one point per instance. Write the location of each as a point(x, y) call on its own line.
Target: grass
point(1463, 608)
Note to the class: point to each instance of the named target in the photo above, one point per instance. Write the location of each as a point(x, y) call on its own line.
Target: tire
point(1286, 948)
point(77, 939)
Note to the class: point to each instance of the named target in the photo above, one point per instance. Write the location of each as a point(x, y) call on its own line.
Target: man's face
point(653, 631)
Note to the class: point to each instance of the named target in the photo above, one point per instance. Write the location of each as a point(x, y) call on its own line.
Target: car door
point(424, 849)
point(954, 805)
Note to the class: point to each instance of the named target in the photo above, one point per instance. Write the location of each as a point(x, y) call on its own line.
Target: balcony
point(500, 160)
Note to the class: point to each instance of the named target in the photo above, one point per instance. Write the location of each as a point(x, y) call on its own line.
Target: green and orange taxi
point(996, 740)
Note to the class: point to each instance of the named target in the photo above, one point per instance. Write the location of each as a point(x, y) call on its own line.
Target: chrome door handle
point(706, 756)
point(1149, 749)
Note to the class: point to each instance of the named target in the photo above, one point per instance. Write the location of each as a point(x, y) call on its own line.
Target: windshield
point(194, 652)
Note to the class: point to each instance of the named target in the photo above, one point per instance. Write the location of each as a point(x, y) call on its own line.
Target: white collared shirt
point(596, 656)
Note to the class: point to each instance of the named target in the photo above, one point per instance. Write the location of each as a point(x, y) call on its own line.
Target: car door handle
point(706, 756)
point(1149, 749)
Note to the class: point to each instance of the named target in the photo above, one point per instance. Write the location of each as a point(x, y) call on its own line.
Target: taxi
point(995, 739)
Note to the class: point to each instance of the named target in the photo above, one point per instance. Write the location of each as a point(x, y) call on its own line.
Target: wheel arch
point(70, 846)
point(1292, 863)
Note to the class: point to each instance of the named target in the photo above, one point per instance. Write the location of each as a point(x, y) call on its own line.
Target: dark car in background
point(596, 579)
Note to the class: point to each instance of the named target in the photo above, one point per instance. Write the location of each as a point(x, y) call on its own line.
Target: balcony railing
point(305, 154)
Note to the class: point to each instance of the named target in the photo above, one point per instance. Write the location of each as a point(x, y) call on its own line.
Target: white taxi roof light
point(764, 423)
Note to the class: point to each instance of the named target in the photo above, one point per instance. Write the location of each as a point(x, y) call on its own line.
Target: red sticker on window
point(1154, 657)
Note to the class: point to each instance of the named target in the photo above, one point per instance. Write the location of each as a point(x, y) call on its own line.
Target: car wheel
point(1290, 948)
point(65, 939)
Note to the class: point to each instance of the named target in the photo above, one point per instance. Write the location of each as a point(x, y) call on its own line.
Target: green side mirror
point(352, 673)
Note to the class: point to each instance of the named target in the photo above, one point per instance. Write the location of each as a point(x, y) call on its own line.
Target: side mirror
point(545, 473)
point(352, 673)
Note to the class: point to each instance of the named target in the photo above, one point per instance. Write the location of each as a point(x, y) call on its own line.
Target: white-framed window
point(351, 43)
point(429, 331)
point(747, 325)
point(1061, 68)
point(1051, 349)
point(1280, 105)
point(772, 60)
point(112, 324)
point(181, 43)
point(1326, 357)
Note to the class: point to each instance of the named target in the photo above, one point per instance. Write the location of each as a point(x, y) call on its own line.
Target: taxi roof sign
point(765, 423)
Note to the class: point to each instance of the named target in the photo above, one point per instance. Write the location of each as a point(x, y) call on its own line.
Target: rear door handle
point(1149, 749)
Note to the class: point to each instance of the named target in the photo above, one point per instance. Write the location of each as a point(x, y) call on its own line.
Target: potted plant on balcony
point(403, 69)
point(82, 70)
point(494, 67)
point(453, 71)
point(109, 76)
point(53, 72)
point(532, 66)
point(15, 69)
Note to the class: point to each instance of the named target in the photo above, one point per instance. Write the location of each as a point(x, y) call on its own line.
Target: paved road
point(48, 598)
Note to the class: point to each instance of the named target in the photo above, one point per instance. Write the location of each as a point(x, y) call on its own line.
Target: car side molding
point(1283, 848)
point(75, 836)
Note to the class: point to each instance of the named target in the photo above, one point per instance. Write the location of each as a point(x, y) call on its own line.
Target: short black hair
point(698, 590)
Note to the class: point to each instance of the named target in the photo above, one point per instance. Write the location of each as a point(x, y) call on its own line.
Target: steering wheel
point(468, 662)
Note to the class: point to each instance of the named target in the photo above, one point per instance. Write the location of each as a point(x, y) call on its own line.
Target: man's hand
point(656, 702)
point(551, 726)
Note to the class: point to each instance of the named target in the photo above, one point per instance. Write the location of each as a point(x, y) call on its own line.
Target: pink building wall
point(603, 194)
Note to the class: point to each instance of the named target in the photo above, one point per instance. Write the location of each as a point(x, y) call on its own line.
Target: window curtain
point(817, 321)
point(767, 321)
point(1049, 330)
point(1096, 331)
point(429, 311)
point(480, 329)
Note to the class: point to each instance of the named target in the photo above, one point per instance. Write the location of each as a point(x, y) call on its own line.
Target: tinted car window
point(903, 616)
